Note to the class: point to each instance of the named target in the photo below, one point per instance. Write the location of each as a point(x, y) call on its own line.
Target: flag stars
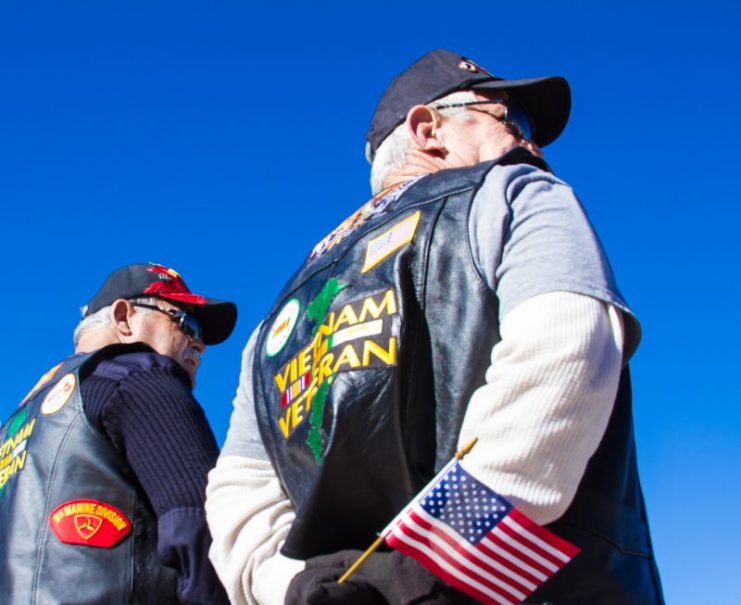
point(465, 504)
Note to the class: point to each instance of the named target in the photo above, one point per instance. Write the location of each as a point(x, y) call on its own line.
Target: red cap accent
point(216, 317)
point(89, 523)
point(171, 286)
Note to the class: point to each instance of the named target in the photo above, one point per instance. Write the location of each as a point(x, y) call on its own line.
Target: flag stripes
point(447, 569)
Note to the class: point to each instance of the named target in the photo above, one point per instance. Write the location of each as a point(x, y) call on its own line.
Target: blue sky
point(225, 140)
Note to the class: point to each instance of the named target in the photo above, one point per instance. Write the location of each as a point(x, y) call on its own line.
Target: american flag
point(476, 541)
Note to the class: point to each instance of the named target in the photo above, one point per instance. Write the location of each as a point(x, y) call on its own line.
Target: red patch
point(89, 523)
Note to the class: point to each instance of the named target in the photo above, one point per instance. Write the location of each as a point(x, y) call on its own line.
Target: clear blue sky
point(225, 140)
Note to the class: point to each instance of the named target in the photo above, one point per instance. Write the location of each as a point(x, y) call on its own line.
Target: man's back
point(74, 525)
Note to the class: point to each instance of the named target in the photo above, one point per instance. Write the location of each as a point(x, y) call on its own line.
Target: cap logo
point(170, 285)
point(165, 274)
point(468, 66)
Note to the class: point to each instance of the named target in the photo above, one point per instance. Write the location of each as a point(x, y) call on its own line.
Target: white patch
point(282, 328)
point(59, 395)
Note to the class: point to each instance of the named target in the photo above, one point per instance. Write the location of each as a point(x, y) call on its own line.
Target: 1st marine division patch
point(89, 523)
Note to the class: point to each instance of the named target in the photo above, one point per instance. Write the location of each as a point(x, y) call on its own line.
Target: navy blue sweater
point(144, 403)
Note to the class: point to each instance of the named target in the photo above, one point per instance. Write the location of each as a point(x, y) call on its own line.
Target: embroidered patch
point(58, 395)
point(282, 328)
point(356, 336)
point(468, 65)
point(13, 447)
point(42, 381)
point(89, 523)
point(317, 309)
point(383, 246)
point(297, 387)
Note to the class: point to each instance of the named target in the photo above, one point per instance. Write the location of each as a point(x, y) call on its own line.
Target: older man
point(103, 466)
point(469, 298)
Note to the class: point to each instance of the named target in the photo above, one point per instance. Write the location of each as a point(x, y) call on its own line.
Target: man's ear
point(424, 127)
point(121, 311)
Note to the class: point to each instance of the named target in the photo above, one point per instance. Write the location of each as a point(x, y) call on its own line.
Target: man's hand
point(386, 578)
point(318, 586)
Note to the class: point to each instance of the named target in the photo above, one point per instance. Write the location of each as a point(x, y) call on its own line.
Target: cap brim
point(547, 102)
point(217, 319)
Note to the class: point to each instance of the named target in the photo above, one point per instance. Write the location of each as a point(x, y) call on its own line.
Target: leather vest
point(364, 368)
point(75, 527)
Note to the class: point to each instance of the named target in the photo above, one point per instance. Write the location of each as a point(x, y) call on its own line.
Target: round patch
point(59, 395)
point(282, 328)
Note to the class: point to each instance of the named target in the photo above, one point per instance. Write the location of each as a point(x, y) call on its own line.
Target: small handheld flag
point(475, 540)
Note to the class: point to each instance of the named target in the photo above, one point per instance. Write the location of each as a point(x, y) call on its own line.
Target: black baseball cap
point(216, 317)
point(547, 101)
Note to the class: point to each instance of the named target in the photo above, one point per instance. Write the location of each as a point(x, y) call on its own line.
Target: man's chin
point(532, 148)
point(191, 372)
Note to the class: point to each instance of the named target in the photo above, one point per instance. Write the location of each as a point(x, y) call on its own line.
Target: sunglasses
point(187, 324)
point(514, 115)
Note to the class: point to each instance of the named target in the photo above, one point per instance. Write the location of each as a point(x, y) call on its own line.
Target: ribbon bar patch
point(89, 523)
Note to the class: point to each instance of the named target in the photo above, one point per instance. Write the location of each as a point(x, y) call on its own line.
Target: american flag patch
point(383, 246)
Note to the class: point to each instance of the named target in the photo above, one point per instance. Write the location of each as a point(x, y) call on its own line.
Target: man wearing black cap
point(469, 298)
point(103, 466)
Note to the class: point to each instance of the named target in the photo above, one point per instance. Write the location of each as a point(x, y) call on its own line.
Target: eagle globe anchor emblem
point(87, 525)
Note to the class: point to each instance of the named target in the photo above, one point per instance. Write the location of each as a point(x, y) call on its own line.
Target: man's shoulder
point(117, 362)
point(512, 165)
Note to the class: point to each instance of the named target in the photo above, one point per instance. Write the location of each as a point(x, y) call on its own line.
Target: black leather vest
point(75, 527)
point(363, 371)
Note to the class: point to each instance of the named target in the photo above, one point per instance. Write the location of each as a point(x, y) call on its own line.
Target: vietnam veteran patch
point(356, 336)
point(383, 246)
point(89, 523)
point(13, 447)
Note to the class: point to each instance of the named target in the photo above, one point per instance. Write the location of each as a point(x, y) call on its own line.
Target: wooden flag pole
point(466, 448)
point(361, 559)
point(373, 547)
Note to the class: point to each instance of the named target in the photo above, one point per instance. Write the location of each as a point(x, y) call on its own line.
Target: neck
point(417, 163)
point(97, 339)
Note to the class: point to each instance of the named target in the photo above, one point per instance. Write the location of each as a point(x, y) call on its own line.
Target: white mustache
point(192, 355)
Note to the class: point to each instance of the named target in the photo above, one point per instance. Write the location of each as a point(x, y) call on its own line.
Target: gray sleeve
point(243, 437)
point(530, 235)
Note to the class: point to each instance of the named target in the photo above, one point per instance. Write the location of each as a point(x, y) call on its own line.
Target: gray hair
point(392, 152)
point(102, 318)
